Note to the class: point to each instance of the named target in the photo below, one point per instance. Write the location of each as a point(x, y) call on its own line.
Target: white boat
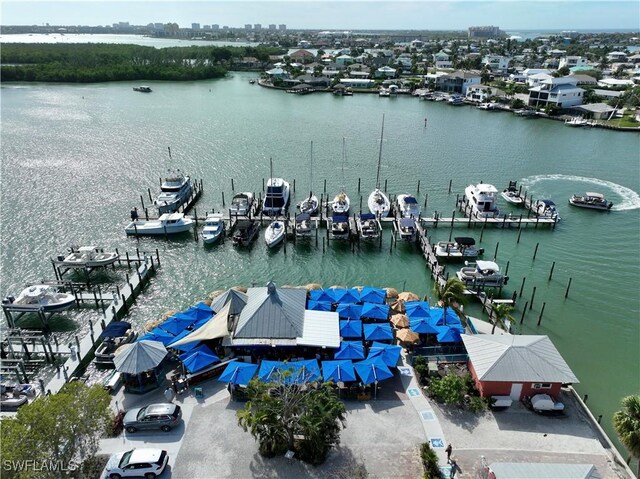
point(245, 233)
point(408, 206)
point(303, 225)
point(455, 100)
point(489, 106)
point(461, 248)
point(274, 234)
point(576, 121)
point(174, 192)
point(87, 257)
point(384, 92)
point(39, 297)
point(214, 228)
point(378, 202)
point(481, 200)
point(407, 228)
point(167, 224)
point(341, 203)
point(339, 227)
point(594, 201)
point(512, 195)
point(276, 198)
point(241, 204)
point(369, 227)
point(310, 204)
point(546, 209)
point(481, 274)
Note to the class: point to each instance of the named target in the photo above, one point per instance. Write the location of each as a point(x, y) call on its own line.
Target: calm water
point(75, 159)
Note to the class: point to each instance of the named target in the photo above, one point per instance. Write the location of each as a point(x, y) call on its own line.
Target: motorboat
point(408, 206)
point(274, 234)
point(455, 100)
point(12, 398)
point(461, 248)
point(339, 227)
point(482, 274)
point(113, 336)
point(251, 82)
point(369, 227)
point(39, 297)
point(546, 209)
point(526, 113)
point(245, 233)
point(593, 201)
point(378, 202)
point(310, 204)
point(384, 92)
point(512, 194)
point(481, 199)
point(276, 198)
point(175, 190)
point(407, 228)
point(167, 224)
point(341, 203)
point(87, 257)
point(142, 89)
point(241, 204)
point(303, 225)
point(576, 121)
point(426, 96)
point(214, 228)
point(489, 106)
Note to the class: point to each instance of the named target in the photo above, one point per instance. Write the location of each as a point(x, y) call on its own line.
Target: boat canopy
point(410, 200)
point(340, 219)
point(303, 217)
point(548, 202)
point(367, 216)
point(487, 265)
point(600, 196)
point(407, 223)
point(465, 241)
point(115, 329)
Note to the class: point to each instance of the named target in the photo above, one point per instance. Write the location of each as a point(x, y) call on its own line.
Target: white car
point(147, 463)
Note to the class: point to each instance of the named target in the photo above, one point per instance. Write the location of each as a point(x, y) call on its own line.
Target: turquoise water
point(76, 158)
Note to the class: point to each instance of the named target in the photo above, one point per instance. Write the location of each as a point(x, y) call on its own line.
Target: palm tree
point(627, 425)
point(451, 295)
point(501, 314)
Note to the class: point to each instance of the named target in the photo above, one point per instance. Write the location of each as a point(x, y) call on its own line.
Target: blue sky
point(359, 14)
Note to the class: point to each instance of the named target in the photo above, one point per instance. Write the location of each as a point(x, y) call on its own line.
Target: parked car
point(147, 463)
point(164, 416)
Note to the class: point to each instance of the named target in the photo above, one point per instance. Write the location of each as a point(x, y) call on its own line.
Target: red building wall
point(503, 388)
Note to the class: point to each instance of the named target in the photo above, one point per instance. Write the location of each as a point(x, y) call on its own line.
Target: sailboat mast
point(380, 155)
point(311, 181)
point(270, 167)
point(344, 157)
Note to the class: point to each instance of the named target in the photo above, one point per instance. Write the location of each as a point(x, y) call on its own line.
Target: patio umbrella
point(350, 350)
point(178, 323)
point(407, 336)
point(400, 320)
point(135, 358)
point(294, 372)
point(375, 311)
point(203, 347)
point(398, 306)
point(312, 287)
point(391, 293)
point(351, 328)
point(321, 295)
point(437, 314)
point(159, 335)
point(268, 368)
point(373, 295)
point(423, 326)
point(238, 373)
point(199, 360)
point(417, 309)
point(338, 371)
point(448, 335)
point(349, 311)
point(319, 305)
point(372, 370)
point(346, 295)
point(389, 353)
point(203, 310)
point(407, 296)
point(377, 331)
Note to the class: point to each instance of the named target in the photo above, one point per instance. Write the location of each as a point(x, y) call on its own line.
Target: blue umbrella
point(178, 323)
point(294, 372)
point(437, 314)
point(203, 310)
point(377, 331)
point(238, 373)
point(448, 335)
point(158, 334)
point(199, 360)
point(345, 295)
point(349, 311)
point(372, 370)
point(350, 350)
point(422, 326)
point(373, 295)
point(389, 353)
point(351, 328)
point(268, 368)
point(417, 309)
point(183, 347)
point(321, 295)
point(202, 348)
point(337, 371)
point(375, 311)
point(319, 305)
point(115, 329)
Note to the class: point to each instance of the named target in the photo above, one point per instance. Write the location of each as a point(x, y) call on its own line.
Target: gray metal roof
point(275, 313)
point(238, 301)
point(511, 470)
point(517, 358)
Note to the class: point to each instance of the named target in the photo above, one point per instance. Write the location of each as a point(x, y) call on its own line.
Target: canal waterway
point(76, 158)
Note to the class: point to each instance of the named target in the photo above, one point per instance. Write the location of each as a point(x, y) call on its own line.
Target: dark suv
point(162, 416)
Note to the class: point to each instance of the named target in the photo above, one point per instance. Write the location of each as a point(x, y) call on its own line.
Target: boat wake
point(630, 200)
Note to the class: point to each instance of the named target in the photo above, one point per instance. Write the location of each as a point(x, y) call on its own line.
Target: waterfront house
point(458, 81)
point(516, 366)
point(560, 92)
point(277, 73)
point(358, 82)
point(536, 79)
point(572, 61)
point(497, 63)
point(597, 111)
point(385, 72)
point(482, 93)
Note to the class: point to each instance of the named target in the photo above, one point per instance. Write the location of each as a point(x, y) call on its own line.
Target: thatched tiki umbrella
point(398, 306)
point(407, 336)
point(400, 320)
point(407, 296)
point(392, 293)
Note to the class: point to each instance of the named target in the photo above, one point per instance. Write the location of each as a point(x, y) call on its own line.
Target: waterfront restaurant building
point(516, 366)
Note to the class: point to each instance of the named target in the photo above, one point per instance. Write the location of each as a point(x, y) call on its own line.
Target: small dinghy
point(274, 234)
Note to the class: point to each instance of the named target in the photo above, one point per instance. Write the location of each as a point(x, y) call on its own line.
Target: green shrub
point(476, 404)
point(421, 366)
point(449, 390)
point(429, 461)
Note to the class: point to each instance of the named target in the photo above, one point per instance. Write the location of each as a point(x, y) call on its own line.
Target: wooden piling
point(553, 265)
point(535, 252)
point(524, 279)
point(358, 185)
point(450, 182)
point(426, 197)
point(385, 185)
point(223, 199)
point(533, 295)
point(142, 201)
point(519, 233)
point(495, 253)
point(325, 185)
point(149, 191)
point(524, 311)
point(506, 270)
point(541, 312)
point(566, 293)
point(232, 186)
point(418, 190)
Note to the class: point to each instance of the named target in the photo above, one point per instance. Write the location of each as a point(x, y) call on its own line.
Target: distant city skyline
point(336, 15)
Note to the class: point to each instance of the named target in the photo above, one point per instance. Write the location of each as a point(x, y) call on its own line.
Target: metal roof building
point(507, 470)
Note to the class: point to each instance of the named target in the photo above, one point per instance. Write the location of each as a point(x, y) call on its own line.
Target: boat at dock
point(378, 202)
point(545, 209)
point(87, 257)
point(276, 198)
point(310, 204)
point(245, 233)
point(39, 297)
point(576, 121)
point(590, 200)
point(408, 206)
point(461, 248)
point(455, 100)
point(339, 227)
point(512, 195)
point(341, 203)
point(482, 200)
point(142, 89)
point(174, 192)
point(407, 228)
point(241, 204)
point(214, 228)
point(384, 92)
point(303, 225)
point(113, 336)
point(369, 227)
point(167, 224)
point(526, 113)
point(274, 234)
point(482, 274)
point(489, 106)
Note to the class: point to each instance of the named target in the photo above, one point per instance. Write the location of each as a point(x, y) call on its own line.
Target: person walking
point(448, 450)
point(454, 469)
